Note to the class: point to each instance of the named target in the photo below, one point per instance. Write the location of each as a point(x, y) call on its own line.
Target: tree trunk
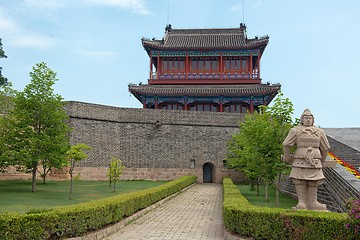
point(71, 183)
point(33, 181)
point(71, 176)
point(114, 185)
point(266, 190)
point(277, 191)
point(44, 177)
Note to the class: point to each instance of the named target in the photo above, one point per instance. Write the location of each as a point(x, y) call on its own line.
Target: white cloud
point(16, 36)
point(43, 4)
point(138, 6)
point(6, 24)
point(32, 40)
point(237, 7)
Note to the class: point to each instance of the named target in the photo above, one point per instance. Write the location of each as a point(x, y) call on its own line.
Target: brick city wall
point(153, 144)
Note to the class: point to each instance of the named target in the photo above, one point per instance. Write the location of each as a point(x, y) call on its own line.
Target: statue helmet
point(306, 112)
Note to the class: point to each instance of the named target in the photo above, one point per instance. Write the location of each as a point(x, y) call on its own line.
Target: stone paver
point(193, 214)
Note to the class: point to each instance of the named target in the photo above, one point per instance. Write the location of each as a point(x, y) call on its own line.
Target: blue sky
point(95, 46)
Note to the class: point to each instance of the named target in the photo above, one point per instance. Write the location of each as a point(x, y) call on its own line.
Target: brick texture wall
point(153, 144)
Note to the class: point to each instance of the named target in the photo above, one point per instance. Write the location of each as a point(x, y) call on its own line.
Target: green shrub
point(245, 219)
point(75, 220)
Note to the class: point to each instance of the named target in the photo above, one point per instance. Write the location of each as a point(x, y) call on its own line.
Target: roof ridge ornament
point(243, 29)
point(168, 28)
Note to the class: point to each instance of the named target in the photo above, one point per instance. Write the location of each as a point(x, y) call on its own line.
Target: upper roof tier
point(206, 39)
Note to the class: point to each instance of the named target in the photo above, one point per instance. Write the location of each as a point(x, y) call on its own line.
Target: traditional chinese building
point(214, 70)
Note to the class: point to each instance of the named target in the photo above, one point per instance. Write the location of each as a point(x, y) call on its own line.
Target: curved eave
point(253, 44)
point(160, 91)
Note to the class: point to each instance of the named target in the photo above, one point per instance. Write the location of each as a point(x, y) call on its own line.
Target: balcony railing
point(169, 76)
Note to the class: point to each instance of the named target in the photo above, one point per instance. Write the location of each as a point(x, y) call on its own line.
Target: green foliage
point(3, 80)
point(353, 207)
point(15, 195)
point(285, 201)
point(78, 219)
point(115, 171)
point(75, 154)
point(256, 149)
point(6, 104)
point(245, 219)
point(35, 130)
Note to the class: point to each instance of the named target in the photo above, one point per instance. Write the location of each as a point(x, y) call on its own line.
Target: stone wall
point(153, 144)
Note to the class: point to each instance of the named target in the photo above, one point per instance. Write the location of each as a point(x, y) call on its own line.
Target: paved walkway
point(193, 214)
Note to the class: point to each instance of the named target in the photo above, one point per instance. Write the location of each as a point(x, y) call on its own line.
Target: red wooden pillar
point(151, 66)
point(258, 63)
point(251, 64)
point(221, 66)
point(158, 66)
point(144, 103)
point(264, 101)
point(187, 66)
point(156, 104)
point(251, 105)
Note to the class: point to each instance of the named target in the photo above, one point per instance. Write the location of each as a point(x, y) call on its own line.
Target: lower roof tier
point(145, 92)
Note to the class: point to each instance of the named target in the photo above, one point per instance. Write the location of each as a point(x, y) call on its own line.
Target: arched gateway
point(208, 172)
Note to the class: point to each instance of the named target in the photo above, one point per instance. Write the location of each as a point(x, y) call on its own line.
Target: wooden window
point(207, 64)
point(170, 64)
point(172, 106)
point(233, 64)
point(176, 64)
point(239, 108)
point(181, 64)
point(203, 107)
point(243, 64)
point(227, 63)
point(214, 64)
point(173, 65)
point(165, 65)
point(204, 65)
point(200, 64)
point(193, 64)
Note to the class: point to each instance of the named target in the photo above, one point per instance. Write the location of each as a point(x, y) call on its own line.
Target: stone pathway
point(193, 214)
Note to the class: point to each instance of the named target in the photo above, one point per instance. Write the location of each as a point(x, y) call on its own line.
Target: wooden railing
point(156, 76)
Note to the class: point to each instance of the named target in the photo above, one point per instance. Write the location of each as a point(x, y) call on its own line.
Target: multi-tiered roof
point(212, 68)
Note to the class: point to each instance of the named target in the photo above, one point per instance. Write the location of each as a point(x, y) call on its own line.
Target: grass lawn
point(16, 195)
point(285, 201)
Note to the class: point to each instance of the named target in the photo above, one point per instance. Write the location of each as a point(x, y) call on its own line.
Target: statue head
point(307, 118)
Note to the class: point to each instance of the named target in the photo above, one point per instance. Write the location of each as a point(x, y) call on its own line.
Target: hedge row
point(245, 219)
point(75, 220)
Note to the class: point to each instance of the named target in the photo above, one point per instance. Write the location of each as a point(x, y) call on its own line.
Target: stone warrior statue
point(307, 162)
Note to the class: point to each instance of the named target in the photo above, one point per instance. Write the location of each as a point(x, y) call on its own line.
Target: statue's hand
point(287, 158)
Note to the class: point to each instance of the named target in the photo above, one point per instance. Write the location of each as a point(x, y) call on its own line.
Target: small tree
point(74, 155)
point(6, 104)
point(256, 149)
point(35, 129)
point(3, 80)
point(115, 170)
point(282, 110)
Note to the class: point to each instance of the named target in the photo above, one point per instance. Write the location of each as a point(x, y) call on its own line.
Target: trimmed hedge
point(245, 219)
point(78, 219)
